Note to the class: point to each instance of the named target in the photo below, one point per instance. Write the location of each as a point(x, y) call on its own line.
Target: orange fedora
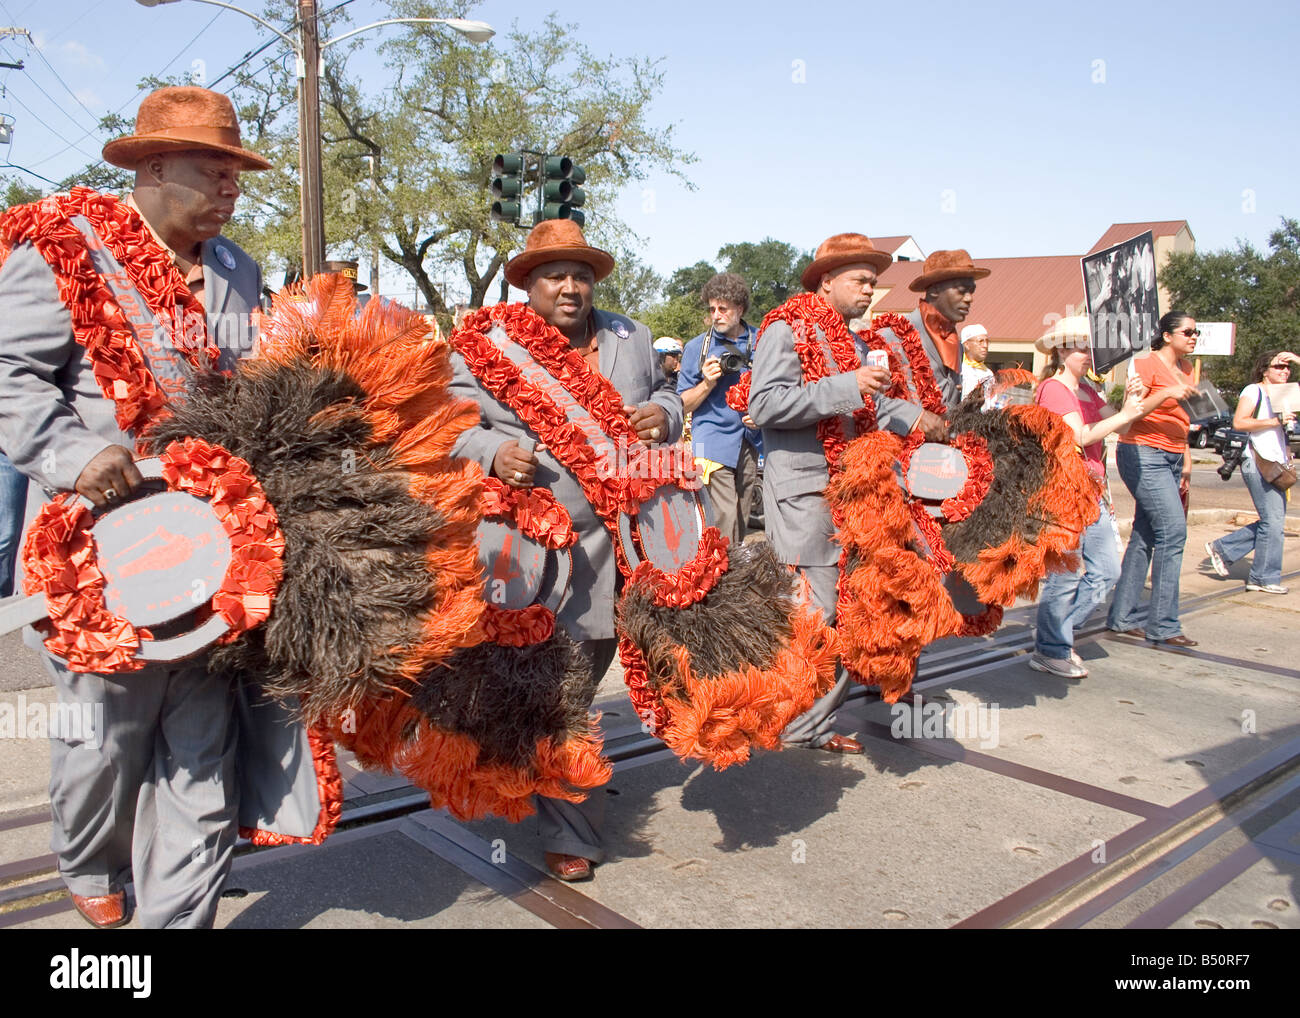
point(945, 265)
point(178, 119)
point(556, 240)
point(840, 250)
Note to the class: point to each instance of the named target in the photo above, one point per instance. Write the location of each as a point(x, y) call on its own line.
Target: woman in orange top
point(1156, 467)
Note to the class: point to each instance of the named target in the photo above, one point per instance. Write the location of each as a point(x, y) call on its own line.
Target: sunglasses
point(1189, 333)
point(1284, 364)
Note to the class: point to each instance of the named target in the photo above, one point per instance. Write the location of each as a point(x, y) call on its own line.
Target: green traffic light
point(557, 190)
point(505, 211)
point(507, 187)
point(558, 167)
point(555, 210)
point(577, 196)
point(578, 175)
point(510, 163)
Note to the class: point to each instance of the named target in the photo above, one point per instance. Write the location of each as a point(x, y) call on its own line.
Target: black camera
point(1233, 451)
point(732, 362)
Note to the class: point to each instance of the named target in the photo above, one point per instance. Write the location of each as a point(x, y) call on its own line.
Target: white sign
point(1217, 339)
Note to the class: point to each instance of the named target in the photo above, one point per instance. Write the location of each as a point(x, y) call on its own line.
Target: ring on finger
point(110, 494)
point(654, 432)
point(519, 476)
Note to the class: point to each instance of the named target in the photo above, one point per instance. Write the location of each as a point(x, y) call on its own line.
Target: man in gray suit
point(788, 408)
point(152, 794)
point(559, 270)
point(948, 282)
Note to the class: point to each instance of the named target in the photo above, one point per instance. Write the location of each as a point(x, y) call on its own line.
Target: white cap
point(973, 332)
point(666, 344)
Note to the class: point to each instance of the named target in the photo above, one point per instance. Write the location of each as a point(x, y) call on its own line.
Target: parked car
point(1201, 433)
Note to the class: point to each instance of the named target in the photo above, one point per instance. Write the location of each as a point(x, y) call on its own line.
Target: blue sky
point(1006, 128)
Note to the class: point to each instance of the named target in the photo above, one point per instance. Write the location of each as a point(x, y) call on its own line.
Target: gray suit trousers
point(159, 764)
point(812, 729)
point(573, 828)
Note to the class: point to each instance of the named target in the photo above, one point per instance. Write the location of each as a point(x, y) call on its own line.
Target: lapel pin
point(620, 330)
point(225, 257)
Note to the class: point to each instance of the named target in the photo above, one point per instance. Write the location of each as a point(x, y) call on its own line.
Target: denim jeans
point(13, 502)
point(1263, 538)
point(1065, 600)
point(1159, 533)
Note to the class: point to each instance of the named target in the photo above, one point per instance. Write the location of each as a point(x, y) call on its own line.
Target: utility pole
point(309, 157)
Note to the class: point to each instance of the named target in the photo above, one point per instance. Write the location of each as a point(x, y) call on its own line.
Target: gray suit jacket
point(628, 361)
point(787, 408)
point(53, 417)
point(949, 380)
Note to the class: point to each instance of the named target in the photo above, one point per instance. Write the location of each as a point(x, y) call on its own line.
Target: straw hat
point(1067, 332)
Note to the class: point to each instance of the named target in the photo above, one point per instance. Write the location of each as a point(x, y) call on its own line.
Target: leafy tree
point(770, 267)
point(631, 288)
point(406, 162)
point(689, 281)
point(1259, 292)
point(19, 192)
point(680, 317)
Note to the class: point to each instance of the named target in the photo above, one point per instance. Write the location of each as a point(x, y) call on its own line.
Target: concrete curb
point(1202, 516)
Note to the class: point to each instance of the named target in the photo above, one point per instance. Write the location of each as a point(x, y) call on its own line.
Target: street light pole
point(312, 194)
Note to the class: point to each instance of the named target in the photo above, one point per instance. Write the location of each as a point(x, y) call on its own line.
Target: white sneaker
point(1267, 588)
point(1077, 660)
point(1216, 560)
point(1056, 666)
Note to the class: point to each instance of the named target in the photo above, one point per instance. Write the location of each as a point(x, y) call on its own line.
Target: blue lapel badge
point(225, 257)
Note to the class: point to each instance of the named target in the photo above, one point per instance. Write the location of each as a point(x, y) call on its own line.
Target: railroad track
point(1149, 853)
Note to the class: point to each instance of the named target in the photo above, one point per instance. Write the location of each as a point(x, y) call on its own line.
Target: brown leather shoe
point(569, 868)
point(1175, 641)
point(841, 744)
point(103, 912)
point(1130, 632)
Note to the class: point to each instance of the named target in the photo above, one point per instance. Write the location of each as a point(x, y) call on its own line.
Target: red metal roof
point(1120, 232)
point(1012, 302)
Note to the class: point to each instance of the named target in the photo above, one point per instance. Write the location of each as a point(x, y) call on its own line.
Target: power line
point(57, 105)
point(70, 144)
point(60, 80)
point(24, 169)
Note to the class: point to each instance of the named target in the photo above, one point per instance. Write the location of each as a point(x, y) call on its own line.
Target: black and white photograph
point(1120, 283)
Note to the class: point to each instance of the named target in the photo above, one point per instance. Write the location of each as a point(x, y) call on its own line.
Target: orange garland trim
point(58, 560)
point(98, 322)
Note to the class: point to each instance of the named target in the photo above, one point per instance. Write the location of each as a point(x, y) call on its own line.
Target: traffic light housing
point(562, 198)
point(558, 180)
point(507, 187)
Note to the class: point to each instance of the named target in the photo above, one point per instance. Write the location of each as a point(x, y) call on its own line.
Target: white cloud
point(78, 54)
point(88, 97)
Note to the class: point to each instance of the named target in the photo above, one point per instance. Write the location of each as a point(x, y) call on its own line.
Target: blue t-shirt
point(716, 429)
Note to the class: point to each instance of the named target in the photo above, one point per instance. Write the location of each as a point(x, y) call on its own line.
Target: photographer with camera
point(1267, 469)
point(726, 444)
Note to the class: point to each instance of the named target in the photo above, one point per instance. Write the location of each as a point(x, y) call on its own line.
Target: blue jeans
point(1263, 538)
point(1159, 533)
point(13, 502)
point(1065, 600)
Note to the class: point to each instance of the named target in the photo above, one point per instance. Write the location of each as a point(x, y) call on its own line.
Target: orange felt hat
point(180, 118)
point(945, 265)
point(556, 240)
point(840, 250)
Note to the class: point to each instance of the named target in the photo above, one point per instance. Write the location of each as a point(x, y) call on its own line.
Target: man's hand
point(650, 421)
point(712, 370)
point(514, 466)
point(932, 426)
point(871, 380)
point(109, 476)
point(748, 422)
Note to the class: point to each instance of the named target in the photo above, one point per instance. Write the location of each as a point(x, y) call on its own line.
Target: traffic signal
point(507, 187)
point(562, 198)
